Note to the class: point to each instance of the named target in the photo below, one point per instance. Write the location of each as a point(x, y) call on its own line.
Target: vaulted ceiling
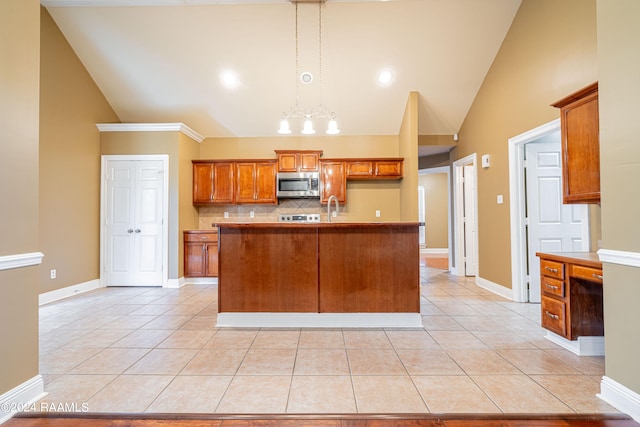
point(164, 60)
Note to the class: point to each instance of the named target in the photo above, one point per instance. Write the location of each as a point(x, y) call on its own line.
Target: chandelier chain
point(320, 48)
point(297, 61)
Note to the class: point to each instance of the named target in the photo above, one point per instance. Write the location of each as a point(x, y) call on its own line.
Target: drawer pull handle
point(554, 287)
point(551, 315)
point(552, 270)
point(597, 276)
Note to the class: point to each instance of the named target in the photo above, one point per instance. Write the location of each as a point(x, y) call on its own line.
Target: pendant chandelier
point(319, 111)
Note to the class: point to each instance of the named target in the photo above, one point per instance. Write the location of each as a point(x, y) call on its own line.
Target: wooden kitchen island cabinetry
point(571, 287)
point(319, 274)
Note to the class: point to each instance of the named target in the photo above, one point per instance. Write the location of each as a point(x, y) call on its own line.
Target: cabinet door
point(223, 179)
point(202, 183)
point(308, 162)
point(194, 259)
point(211, 260)
point(333, 181)
point(389, 169)
point(287, 162)
point(245, 182)
point(265, 182)
point(579, 122)
point(359, 169)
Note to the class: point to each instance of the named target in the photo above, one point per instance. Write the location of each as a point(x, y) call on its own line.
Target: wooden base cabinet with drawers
point(201, 253)
point(571, 287)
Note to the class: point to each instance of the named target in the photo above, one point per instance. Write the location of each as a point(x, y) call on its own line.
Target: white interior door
point(470, 256)
point(552, 226)
point(134, 249)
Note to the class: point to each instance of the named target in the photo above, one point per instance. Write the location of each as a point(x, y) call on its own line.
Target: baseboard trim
point(175, 283)
point(201, 280)
point(68, 291)
point(21, 398)
point(631, 259)
point(620, 397)
point(444, 251)
point(495, 288)
point(8, 262)
point(583, 346)
point(319, 320)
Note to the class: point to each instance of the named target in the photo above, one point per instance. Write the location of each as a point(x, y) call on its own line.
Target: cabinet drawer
point(200, 237)
point(553, 315)
point(587, 273)
point(552, 286)
point(552, 269)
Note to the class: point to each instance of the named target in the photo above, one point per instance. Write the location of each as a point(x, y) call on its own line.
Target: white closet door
point(134, 223)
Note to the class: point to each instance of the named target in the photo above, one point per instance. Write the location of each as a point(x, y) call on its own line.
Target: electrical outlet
point(226, 214)
point(377, 213)
point(252, 214)
point(53, 274)
point(334, 214)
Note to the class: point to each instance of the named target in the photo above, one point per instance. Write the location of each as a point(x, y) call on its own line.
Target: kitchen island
point(329, 274)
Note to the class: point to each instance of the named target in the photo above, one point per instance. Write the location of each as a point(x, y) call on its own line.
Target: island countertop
point(325, 274)
point(322, 224)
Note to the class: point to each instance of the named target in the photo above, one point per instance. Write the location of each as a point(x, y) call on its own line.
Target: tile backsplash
point(209, 215)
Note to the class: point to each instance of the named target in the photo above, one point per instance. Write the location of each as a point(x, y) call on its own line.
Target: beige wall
point(619, 92)
point(408, 148)
point(436, 189)
point(549, 52)
point(70, 106)
point(363, 198)
point(188, 150)
point(19, 86)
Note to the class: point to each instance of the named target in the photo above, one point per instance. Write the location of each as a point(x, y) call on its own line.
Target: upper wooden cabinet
point(213, 182)
point(333, 180)
point(580, 145)
point(298, 160)
point(367, 169)
point(256, 182)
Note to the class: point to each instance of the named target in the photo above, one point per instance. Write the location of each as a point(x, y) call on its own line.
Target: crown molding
point(150, 127)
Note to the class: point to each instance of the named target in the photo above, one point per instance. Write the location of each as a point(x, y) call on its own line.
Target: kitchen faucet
point(332, 197)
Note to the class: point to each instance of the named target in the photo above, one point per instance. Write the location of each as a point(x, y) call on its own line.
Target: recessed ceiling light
point(306, 77)
point(385, 77)
point(229, 79)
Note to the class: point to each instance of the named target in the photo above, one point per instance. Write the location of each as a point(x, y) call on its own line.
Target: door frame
point(105, 158)
point(517, 197)
point(458, 202)
point(447, 170)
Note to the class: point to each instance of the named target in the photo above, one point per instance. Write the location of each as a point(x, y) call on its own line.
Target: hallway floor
point(157, 350)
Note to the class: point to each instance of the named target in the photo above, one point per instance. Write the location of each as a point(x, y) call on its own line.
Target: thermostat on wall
point(486, 162)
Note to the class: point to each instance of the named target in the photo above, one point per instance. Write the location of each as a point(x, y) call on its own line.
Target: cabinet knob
point(137, 230)
point(551, 315)
point(130, 230)
point(552, 270)
point(597, 276)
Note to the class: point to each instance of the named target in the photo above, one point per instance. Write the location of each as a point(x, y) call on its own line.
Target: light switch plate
point(499, 199)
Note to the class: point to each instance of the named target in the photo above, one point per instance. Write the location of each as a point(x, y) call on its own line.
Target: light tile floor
point(157, 350)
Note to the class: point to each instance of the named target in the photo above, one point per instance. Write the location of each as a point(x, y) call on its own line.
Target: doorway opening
point(465, 212)
point(134, 226)
point(539, 219)
point(434, 211)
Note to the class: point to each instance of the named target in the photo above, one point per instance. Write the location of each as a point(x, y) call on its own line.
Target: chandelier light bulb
point(308, 128)
point(332, 129)
point(284, 128)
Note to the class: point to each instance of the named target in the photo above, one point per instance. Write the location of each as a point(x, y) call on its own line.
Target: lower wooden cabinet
point(571, 294)
point(201, 253)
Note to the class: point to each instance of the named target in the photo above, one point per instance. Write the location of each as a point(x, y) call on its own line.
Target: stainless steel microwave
point(298, 185)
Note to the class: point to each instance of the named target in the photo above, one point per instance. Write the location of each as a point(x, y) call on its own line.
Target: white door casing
point(460, 234)
point(551, 225)
point(134, 231)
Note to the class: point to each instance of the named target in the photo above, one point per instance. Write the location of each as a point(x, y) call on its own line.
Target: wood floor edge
point(409, 416)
